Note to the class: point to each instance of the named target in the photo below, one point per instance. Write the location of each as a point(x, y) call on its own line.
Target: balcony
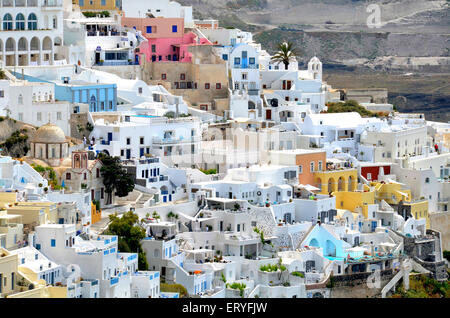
point(250, 66)
point(114, 281)
point(171, 140)
point(52, 3)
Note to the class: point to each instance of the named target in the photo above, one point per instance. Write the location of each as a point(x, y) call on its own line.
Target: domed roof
point(49, 134)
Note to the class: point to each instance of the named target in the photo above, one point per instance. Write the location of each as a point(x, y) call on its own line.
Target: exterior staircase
point(142, 202)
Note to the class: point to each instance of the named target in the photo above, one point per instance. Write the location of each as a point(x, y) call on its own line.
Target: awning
point(308, 187)
point(402, 193)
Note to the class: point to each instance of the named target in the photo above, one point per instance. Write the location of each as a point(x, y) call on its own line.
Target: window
point(53, 242)
point(58, 116)
point(21, 116)
point(218, 86)
point(252, 60)
point(128, 141)
point(225, 57)
point(149, 30)
point(244, 54)
point(39, 116)
point(153, 48)
point(163, 76)
point(98, 173)
point(140, 90)
point(2, 93)
point(320, 165)
point(244, 76)
point(312, 166)
point(55, 23)
point(122, 152)
point(237, 60)
point(20, 99)
point(427, 180)
point(182, 76)
point(68, 176)
point(206, 85)
point(174, 28)
point(141, 140)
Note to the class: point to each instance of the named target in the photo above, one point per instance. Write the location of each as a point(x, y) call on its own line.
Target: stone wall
point(79, 120)
point(441, 222)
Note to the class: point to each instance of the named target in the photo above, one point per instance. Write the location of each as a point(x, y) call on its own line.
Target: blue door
point(136, 59)
point(244, 59)
point(165, 198)
point(170, 197)
point(109, 136)
point(128, 153)
point(374, 225)
point(141, 152)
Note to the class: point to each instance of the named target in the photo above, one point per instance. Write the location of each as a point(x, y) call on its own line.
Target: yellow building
point(8, 272)
point(392, 192)
point(99, 5)
point(50, 209)
point(30, 214)
point(7, 198)
point(336, 180)
point(355, 199)
point(96, 215)
point(401, 199)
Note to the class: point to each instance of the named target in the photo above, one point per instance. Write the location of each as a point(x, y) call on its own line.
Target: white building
point(92, 259)
point(158, 8)
point(34, 103)
point(103, 40)
point(134, 136)
point(31, 32)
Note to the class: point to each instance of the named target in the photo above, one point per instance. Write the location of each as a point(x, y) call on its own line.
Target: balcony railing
point(52, 3)
point(250, 66)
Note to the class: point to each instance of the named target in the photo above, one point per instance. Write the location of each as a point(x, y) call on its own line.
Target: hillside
point(336, 30)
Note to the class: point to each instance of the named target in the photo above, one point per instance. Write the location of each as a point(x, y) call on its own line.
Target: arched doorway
point(351, 183)
point(341, 184)
point(314, 242)
point(331, 185)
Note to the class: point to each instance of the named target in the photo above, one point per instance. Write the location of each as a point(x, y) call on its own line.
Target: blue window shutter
point(174, 28)
point(53, 243)
point(149, 29)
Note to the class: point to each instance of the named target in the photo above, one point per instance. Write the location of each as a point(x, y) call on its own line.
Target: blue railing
point(114, 281)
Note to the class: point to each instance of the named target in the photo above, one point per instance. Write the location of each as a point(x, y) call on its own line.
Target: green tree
point(130, 234)
point(286, 54)
point(115, 177)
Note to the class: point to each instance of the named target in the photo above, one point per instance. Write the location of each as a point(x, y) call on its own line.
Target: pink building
point(166, 39)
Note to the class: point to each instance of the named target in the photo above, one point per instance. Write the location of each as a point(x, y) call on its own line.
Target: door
point(110, 136)
point(128, 153)
point(164, 198)
point(97, 57)
point(136, 59)
point(141, 152)
point(268, 114)
point(230, 195)
point(289, 85)
point(170, 197)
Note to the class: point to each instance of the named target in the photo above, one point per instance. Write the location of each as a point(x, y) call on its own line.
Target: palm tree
point(286, 54)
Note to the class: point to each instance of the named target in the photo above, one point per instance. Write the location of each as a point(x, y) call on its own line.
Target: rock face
point(337, 30)
point(14, 146)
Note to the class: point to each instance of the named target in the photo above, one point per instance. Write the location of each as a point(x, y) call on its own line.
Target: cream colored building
point(8, 272)
point(203, 82)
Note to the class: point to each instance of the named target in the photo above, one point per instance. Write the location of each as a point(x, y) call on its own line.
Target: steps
point(142, 202)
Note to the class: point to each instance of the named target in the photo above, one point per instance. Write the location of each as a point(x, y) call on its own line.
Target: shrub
point(298, 274)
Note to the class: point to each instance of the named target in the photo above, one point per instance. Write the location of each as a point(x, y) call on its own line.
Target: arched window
point(7, 22)
point(20, 22)
point(32, 22)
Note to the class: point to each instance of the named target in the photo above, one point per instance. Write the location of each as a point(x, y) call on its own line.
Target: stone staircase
point(142, 202)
